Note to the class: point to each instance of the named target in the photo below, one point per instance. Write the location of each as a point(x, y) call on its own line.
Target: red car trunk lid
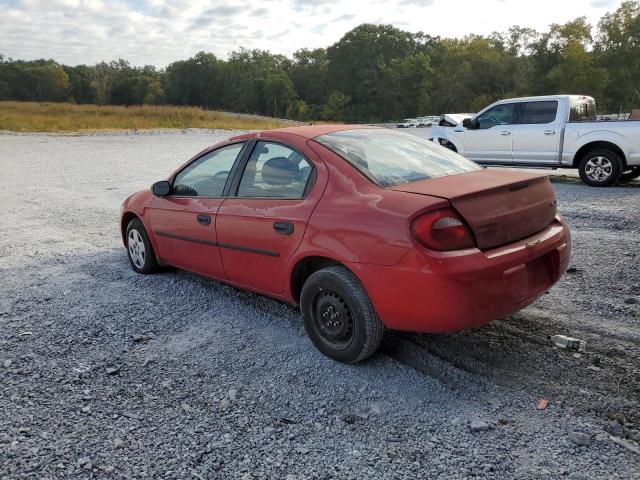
point(499, 206)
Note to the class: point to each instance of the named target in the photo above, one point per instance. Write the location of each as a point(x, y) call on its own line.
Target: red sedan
point(365, 228)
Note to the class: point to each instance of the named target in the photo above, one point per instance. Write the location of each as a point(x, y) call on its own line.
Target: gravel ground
point(109, 374)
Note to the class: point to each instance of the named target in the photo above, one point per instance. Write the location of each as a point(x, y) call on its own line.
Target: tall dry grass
point(68, 117)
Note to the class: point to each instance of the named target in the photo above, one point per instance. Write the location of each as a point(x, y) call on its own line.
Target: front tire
point(630, 174)
point(339, 317)
point(449, 145)
point(139, 249)
point(600, 168)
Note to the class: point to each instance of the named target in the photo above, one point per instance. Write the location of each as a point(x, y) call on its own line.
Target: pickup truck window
point(583, 110)
point(503, 114)
point(538, 112)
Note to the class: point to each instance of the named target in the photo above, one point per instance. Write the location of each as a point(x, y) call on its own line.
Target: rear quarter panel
point(357, 221)
point(624, 134)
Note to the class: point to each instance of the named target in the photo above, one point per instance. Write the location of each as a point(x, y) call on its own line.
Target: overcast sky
point(158, 32)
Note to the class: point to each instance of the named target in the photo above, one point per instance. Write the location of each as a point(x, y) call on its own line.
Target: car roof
point(312, 131)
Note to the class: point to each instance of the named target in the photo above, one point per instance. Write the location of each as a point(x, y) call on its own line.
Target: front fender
point(446, 133)
point(137, 205)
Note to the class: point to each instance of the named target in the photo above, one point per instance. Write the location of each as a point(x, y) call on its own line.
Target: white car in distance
point(408, 123)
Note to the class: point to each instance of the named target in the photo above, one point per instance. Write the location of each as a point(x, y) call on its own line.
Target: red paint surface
point(500, 206)
point(176, 215)
point(367, 228)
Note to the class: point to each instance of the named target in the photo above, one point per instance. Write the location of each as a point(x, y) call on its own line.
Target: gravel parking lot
point(110, 374)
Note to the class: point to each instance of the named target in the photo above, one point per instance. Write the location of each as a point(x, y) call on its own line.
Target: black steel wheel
point(333, 318)
point(338, 315)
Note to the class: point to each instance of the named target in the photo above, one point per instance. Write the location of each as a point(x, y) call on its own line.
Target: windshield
point(391, 158)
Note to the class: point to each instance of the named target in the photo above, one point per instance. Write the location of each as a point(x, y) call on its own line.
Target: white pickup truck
point(558, 131)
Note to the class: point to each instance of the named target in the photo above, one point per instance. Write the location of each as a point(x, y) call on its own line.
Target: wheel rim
point(598, 169)
point(332, 318)
point(137, 252)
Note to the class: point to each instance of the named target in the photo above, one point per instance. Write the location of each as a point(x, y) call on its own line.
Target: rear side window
point(538, 112)
point(275, 170)
point(389, 158)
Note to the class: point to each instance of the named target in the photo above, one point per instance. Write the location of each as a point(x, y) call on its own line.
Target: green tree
point(155, 94)
point(471, 71)
point(196, 81)
point(5, 78)
point(576, 72)
point(80, 87)
point(299, 110)
point(356, 63)
point(39, 80)
point(617, 49)
point(558, 53)
point(253, 79)
point(337, 107)
point(404, 86)
point(279, 92)
point(308, 72)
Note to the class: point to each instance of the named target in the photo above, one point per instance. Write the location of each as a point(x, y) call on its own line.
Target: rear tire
point(140, 252)
point(339, 317)
point(600, 168)
point(629, 174)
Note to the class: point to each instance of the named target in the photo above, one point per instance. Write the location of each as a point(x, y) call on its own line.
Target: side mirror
point(466, 123)
point(161, 188)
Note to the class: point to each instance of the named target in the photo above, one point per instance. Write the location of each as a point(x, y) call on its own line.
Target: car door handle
point(549, 132)
point(204, 219)
point(505, 132)
point(283, 228)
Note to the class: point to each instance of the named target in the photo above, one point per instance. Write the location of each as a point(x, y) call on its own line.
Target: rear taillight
point(442, 230)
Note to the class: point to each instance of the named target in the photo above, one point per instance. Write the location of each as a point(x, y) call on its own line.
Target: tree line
point(373, 73)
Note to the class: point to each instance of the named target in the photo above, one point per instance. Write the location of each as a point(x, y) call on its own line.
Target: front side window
point(207, 176)
point(538, 112)
point(275, 170)
point(503, 114)
point(390, 158)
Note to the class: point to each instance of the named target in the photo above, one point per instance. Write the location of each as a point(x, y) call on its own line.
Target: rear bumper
point(451, 291)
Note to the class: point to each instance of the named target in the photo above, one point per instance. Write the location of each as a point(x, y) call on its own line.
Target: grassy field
point(67, 117)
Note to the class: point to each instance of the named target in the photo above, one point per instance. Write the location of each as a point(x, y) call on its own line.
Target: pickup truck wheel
point(339, 317)
point(599, 168)
point(630, 174)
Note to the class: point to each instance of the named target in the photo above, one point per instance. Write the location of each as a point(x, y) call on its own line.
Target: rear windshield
point(391, 158)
